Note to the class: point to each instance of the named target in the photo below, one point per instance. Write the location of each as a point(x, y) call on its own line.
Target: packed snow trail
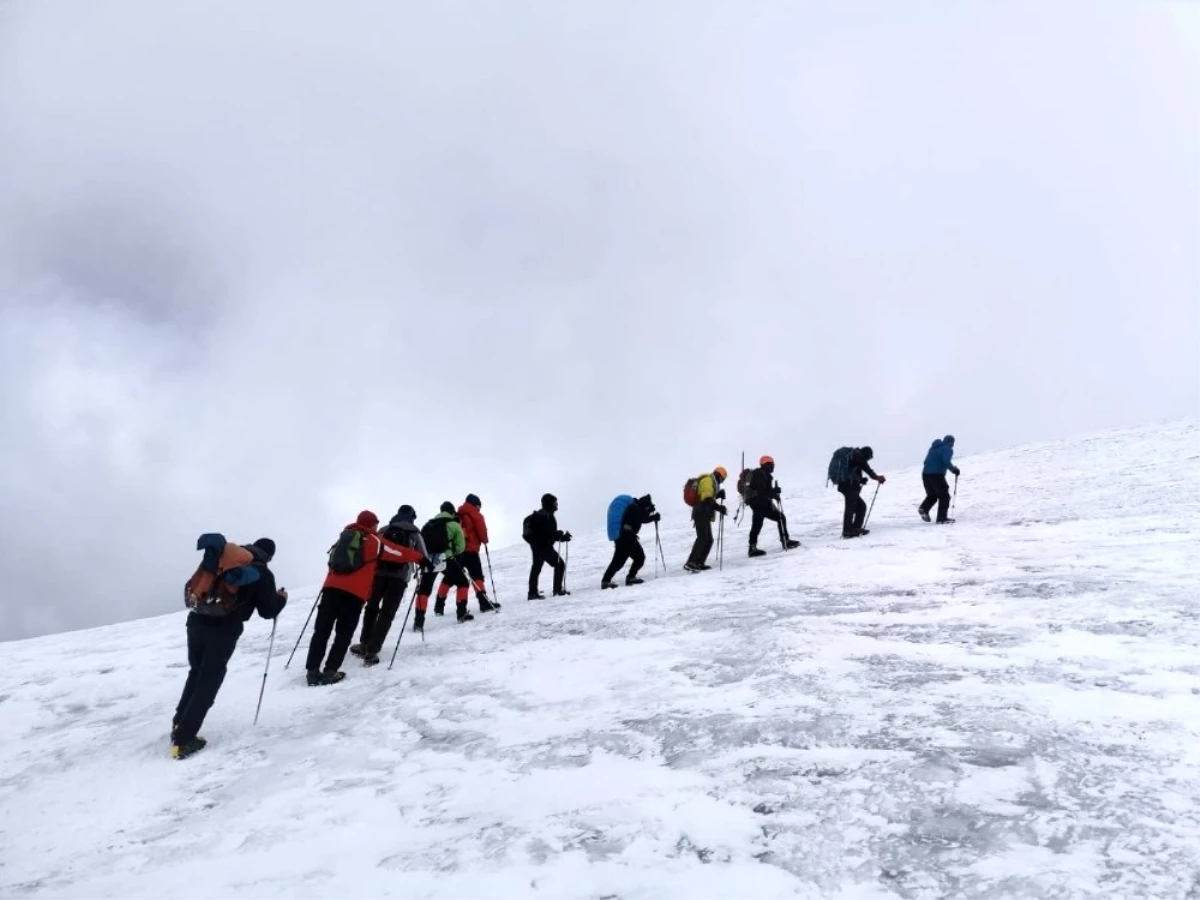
point(1006, 707)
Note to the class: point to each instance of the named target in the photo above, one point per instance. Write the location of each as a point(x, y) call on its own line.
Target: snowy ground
point(1006, 708)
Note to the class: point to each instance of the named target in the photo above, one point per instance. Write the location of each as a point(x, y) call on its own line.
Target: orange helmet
point(720, 472)
point(763, 460)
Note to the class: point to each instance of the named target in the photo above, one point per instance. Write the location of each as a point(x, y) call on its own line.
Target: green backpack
point(346, 555)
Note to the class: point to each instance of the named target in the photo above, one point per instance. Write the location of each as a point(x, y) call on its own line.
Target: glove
point(426, 563)
point(956, 471)
point(722, 510)
point(656, 518)
point(721, 494)
point(567, 537)
point(864, 481)
point(775, 491)
point(282, 595)
point(880, 479)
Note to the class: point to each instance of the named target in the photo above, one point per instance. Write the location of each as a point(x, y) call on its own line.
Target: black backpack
point(347, 555)
point(743, 485)
point(436, 535)
point(529, 528)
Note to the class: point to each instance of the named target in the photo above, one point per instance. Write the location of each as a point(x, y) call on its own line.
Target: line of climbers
point(369, 570)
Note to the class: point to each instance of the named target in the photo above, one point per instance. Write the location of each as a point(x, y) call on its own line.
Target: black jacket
point(544, 529)
point(762, 489)
point(858, 465)
point(634, 517)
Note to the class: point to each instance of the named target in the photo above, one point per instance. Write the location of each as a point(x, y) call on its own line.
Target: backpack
point(616, 512)
point(436, 535)
point(691, 491)
point(743, 485)
point(405, 537)
point(347, 555)
point(528, 528)
point(839, 465)
point(212, 589)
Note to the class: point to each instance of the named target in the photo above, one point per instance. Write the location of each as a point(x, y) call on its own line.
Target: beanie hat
point(868, 453)
point(267, 546)
point(406, 513)
point(447, 507)
point(367, 519)
point(645, 502)
point(474, 501)
point(766, 461)
point(549, 500)
point(948, 439)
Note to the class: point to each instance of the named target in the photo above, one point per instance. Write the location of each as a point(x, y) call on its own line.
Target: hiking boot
point(537, 595)
point(419, 621)
point(945, 521)
point(370, 659)
point(328, 677)
point(605, 585)
point(754, 551)
point(464, 615)
point(562, 593)
point(313, 677)
point(924, 514)
point(357, 650)
point(789, 544)
point(694, 567)
point(184, 749)
point(439, 608)
point(486, 605)
point(704, 567)
point(632, 580)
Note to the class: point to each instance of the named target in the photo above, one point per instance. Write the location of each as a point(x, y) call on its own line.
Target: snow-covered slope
point(1006, 707)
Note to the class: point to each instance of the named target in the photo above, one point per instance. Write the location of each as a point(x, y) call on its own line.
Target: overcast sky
point(265, 264)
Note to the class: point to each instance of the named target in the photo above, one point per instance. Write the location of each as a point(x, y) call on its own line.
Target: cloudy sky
point(264, 264)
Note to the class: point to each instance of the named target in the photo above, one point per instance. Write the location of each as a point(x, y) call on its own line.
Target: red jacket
point(473, 526)
point(359, 581)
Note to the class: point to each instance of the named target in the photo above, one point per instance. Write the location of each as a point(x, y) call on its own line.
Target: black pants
point(380, 611)
point(210, 644)
point(937, 490)
point(856, 508)
point(474, 566)
point(759, 514)
point(626, 547)
point(338, 614)
point(704, 539)
point(545, 554)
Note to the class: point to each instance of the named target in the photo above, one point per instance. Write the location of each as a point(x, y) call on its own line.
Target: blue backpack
point(616, 511)
point(839, 465)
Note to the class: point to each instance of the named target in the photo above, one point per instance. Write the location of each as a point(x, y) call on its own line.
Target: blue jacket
point(938, 459)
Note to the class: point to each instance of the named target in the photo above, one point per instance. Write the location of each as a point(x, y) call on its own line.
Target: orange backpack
point(209, 594)
point(691, 491)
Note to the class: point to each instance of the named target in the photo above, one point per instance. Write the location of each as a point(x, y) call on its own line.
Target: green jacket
point(706, 488)
point(456, 541)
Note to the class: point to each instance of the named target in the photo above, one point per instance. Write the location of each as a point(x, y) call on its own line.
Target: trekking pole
point(658, 551)
point(954, 499)
point(721, 545)
point(872, 506)
point(662, 555)
point(404, 624)
point(266, 668)
point(566, 565)
point(491, 577)
point(304, 629)
point(782, 518)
